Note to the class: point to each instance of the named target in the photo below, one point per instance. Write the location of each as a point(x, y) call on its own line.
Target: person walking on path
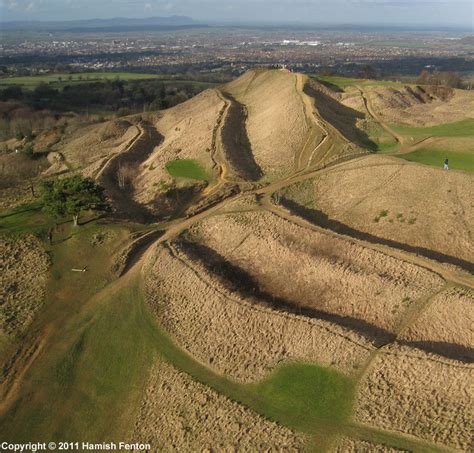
point(446, 164)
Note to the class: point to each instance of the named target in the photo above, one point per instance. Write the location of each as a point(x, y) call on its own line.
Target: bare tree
point(423, 78)
point(125, 175)
point(16, 169)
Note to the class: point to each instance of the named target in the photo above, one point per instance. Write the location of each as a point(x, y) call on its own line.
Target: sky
point(403, 12)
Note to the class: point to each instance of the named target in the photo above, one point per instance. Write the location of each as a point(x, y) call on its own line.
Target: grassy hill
point(276, 244)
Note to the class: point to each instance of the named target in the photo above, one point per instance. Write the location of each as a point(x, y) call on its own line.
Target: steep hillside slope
point(277, 122)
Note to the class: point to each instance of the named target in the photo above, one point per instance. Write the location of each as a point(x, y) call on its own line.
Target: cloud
point(21, 5)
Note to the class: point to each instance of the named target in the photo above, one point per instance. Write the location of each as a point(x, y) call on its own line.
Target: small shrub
point(28, 150)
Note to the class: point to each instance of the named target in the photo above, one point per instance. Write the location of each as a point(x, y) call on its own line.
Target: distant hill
point(105, 25)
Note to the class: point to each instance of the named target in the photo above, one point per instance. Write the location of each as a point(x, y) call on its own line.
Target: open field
point(446, 322)
point(314, 261)
point(76, 360)
point(265, 281)
point(403, 390)
point(176, 410)
point(463, 128)
point(58, 80)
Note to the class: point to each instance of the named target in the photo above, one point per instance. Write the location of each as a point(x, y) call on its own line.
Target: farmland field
point(62, 80)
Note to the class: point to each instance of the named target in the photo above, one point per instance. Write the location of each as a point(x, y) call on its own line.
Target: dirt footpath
point(179, 414)
point(347, 445)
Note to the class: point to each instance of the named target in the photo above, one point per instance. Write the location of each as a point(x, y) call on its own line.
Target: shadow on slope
point(122, 198)
point(321, 219)
point(342, 118)
point(238, 280)
point(236, 143)
point(449, 350)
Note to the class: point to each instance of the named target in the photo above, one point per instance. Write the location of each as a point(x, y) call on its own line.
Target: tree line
point(123, 97)
point(449, 79)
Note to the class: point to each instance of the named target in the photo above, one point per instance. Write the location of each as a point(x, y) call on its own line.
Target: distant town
point(236, 50)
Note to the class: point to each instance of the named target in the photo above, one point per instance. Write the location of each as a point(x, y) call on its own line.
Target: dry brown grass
point(325, 273)
point(188, 134)
point(13, 196)
point(415, 106)
point(23, 274)
point(276, 123)
point(449, 320)
point(417, 393)
point(235, 335)
point(92, 143)
point(179, 414)
point(426, 206)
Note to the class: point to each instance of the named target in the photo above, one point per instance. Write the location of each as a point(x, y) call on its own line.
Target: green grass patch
point(305, 396)
point(93, 374)
point(187, 168)
point(387, 147)
point(463, 128)
point(344, 82)
point(26, 218)
point(92, 363)
point(95, 370)
point(457, 160)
